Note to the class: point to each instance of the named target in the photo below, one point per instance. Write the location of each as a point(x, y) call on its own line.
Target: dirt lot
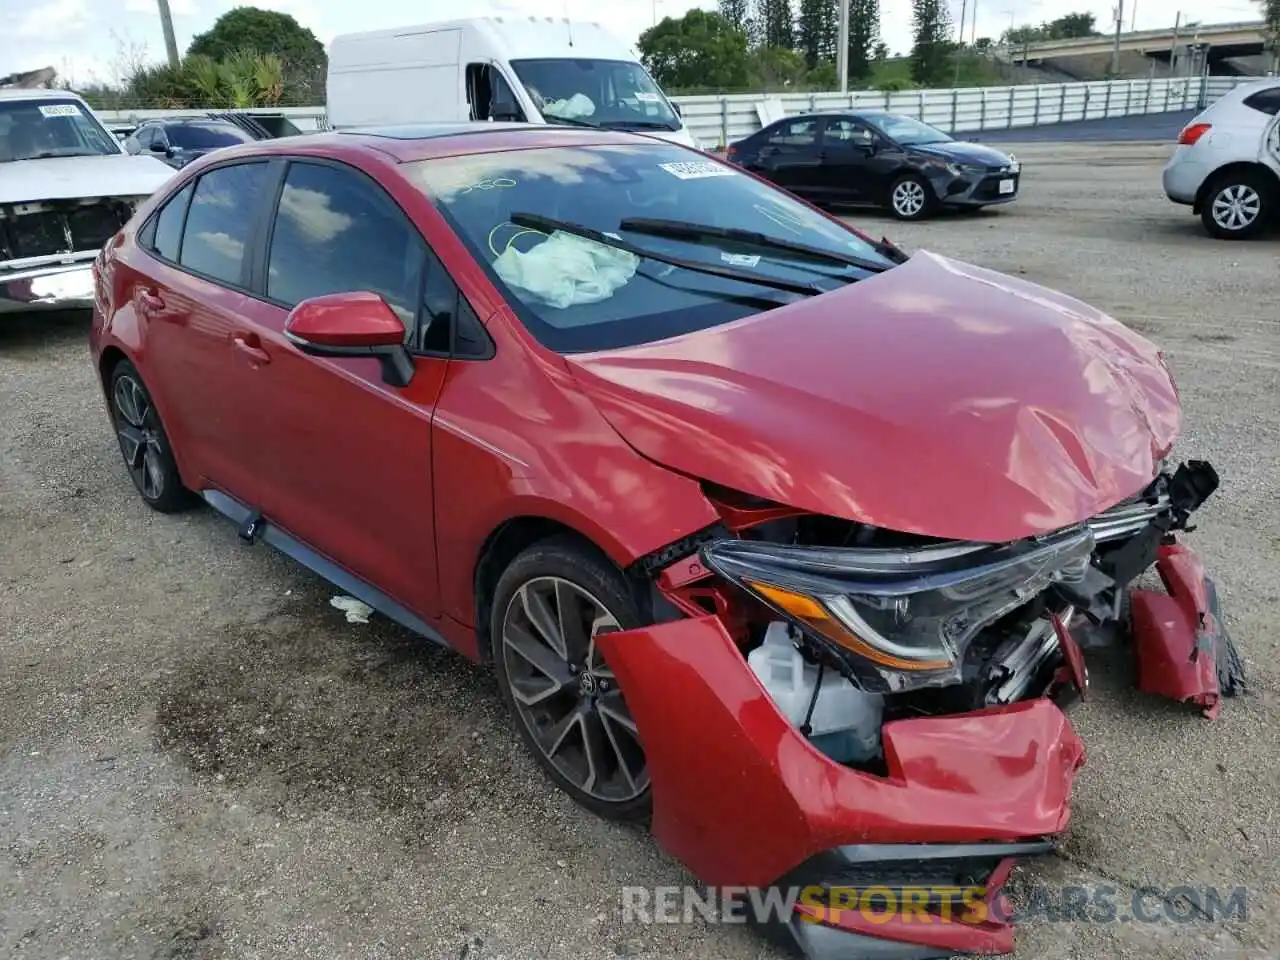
point(199, 758)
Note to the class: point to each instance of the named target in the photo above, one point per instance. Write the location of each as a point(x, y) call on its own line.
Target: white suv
point(1227, 164)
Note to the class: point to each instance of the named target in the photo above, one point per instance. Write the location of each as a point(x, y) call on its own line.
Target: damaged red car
point(777, 537)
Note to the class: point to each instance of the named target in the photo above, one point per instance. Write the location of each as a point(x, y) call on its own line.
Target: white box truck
point(524, 69)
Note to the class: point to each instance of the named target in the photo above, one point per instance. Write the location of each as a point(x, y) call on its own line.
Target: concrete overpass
point(1251, 34)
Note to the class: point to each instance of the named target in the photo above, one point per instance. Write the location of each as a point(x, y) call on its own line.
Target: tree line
point(791, 44)
point(248, 58)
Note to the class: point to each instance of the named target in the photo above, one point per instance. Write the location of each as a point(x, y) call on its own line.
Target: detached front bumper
point(743, 799)
point(60, 286)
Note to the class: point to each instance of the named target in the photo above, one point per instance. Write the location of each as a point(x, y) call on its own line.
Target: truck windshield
point(35, 129)
point(742, 256)
point(608, 93)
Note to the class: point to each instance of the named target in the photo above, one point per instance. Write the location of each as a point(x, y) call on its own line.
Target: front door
point(346, 456)
point(848, 151)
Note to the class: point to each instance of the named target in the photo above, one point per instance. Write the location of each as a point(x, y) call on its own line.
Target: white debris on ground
point(357, 611)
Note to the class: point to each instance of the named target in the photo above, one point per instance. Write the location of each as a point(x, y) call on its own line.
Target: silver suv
point(1227, 163)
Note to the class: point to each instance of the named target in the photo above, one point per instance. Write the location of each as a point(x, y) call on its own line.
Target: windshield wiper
point(572, 121)
point(547, 225)
point(640, 124)
point(676, 230)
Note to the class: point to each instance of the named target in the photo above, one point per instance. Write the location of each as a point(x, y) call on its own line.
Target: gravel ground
point(199, 758)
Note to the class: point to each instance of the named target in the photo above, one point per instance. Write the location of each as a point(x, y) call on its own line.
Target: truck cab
point(522, 69)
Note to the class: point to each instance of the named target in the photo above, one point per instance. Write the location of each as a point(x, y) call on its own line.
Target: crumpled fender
point(1181, 644)
point(741, 797)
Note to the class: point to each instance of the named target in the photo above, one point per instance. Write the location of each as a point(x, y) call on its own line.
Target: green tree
point(777, 23)
point(818, 30)
point(932, 48)
point(881, 52)
point(267, 32)
point(737, 12)
point(864, 29)
point(777, 68)
point(699, 50)
point(1073, 25)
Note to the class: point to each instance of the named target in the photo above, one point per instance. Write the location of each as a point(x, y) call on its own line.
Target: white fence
point(718, 120)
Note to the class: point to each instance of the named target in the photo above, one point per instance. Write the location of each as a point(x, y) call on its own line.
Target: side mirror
point(160, 147)
point(358, 324)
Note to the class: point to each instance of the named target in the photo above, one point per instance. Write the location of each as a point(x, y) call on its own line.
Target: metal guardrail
point(715, 121)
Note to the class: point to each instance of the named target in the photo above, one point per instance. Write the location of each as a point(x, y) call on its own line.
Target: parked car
point(66, 187)
point(874, 157)
point(1226, 166)
point(178, 141)
point(774, 536)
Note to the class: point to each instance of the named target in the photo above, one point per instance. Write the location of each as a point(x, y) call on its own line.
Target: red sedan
point(775, 536)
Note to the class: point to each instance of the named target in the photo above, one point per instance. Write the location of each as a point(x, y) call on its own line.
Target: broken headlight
point(900, 619)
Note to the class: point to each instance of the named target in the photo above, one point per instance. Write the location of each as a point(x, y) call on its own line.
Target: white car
point(66, 187)
point(1227, 163)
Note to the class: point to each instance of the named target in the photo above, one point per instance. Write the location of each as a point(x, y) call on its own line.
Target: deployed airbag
point(565, 270)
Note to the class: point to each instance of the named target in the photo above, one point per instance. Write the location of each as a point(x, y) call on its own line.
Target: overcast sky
point(84, 39)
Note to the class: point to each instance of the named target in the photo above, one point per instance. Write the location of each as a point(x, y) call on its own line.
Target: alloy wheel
point(566, 696)
point(1236, 207)
point(140, 438)
point(908, 198)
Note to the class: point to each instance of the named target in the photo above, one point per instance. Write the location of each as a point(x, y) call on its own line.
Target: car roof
point(35, 93)
point(409, 143)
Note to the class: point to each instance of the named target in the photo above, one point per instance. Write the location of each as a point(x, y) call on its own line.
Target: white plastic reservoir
point(845, 724)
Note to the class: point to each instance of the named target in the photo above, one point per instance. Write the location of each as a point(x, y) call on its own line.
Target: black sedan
point(178, 141)
point(874, 157)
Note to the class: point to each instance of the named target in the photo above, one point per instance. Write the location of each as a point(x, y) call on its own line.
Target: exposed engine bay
point(849, 626)
point(49, 228)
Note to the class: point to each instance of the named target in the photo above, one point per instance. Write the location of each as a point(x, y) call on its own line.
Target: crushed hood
point(936, 398)
point(69, 178)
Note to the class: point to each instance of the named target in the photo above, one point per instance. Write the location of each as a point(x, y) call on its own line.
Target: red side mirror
point(345, 320)
point(357, 324)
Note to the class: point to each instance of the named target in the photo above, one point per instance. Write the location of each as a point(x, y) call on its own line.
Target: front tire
point(549, 605)
point(1238, 205)
point(145, 446)
point(911, 197)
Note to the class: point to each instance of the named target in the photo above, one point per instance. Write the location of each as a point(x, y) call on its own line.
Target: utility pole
point(1173, 48)
point(960, 36)
point(1133, 20)
point(1115, 50)
point(973, 35)
point(842, 51)
point(170, 41)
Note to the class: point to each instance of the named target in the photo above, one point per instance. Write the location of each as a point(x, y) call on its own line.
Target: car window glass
point(169, 225)
point(203, 136)
point(143, 137)
point(439, 308)
point(1266, 101)
point(795, 133)
point(336, 232)
point(843, 132)
point(222, 210)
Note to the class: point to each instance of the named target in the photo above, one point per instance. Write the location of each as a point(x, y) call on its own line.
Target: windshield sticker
point(740, 259)
point(59, 110)
point(697, 169)
point(495, 183)
point(644, 97)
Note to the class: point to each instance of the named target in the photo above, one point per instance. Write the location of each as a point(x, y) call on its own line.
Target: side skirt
point(253, 527)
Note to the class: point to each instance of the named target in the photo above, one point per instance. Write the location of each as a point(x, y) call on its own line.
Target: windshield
point(32, 129)
point(909, 132)
point(609, 93)
point(204, 136)
point(577, 295)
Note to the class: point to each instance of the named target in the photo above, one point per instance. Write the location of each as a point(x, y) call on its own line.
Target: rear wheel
point(1238, 205)
point(550, 605)
point(143, 441)
point(910, 197)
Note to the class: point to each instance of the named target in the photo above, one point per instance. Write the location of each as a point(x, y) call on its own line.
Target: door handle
point(250, 346)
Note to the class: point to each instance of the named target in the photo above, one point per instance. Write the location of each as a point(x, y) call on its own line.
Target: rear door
point(345, 457)
point(789, 156)
point(190, 297)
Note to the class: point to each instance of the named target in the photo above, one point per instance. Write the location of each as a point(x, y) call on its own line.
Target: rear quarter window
point(1265, 101)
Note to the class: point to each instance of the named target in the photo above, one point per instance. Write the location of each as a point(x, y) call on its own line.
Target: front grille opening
point(73, 227)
